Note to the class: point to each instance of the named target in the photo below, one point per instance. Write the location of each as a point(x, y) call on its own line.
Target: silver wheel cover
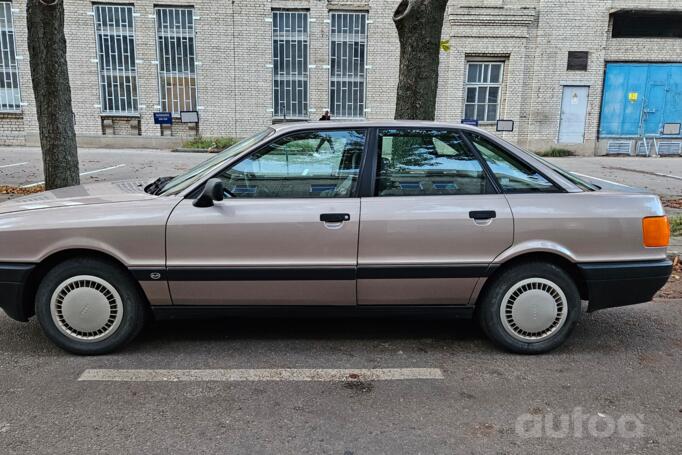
point(533, 310)
point(86, 308)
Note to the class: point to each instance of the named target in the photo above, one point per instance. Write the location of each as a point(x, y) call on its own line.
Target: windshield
point(185, 180)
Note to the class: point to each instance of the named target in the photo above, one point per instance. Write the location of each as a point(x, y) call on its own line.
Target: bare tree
point(50, 77)
point(419, 24)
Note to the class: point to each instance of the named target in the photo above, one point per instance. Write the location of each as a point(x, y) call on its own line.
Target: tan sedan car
point(340, 218)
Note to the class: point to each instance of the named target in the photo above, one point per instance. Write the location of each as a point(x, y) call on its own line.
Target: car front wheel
point(89, 306)
point(530, 308)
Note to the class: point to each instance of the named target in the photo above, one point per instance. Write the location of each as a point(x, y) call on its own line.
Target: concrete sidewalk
point(662, 176)
point(675, 246)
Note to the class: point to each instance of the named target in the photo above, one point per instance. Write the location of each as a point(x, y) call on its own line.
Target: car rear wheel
point(89, 306)
point(530, 309)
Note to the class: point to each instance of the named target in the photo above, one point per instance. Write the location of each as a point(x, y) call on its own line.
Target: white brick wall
point(538, 51)
point(235, 83)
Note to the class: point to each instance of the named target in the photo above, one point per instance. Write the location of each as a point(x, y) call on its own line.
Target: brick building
point(595, 76)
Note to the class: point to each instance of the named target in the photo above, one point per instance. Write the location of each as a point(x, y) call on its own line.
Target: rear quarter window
point(512, 174)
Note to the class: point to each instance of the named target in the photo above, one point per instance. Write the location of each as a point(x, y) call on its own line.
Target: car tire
point(530, 308)
point(90, 306)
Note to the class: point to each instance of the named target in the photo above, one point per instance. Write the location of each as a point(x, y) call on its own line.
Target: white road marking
point(640, 171)
point(81, 174)
point(305, 374)
point(12, 165)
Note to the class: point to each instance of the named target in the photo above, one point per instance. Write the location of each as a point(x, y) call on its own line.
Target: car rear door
point(433, 223)
point(287, 235)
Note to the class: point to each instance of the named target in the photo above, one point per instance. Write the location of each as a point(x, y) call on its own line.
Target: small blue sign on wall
point(163, 118)
point(469, 121)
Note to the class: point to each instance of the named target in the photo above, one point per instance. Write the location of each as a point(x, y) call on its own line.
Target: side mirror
point(214, 190)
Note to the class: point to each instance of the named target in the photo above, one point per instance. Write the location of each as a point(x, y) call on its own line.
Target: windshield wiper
point(157, 185)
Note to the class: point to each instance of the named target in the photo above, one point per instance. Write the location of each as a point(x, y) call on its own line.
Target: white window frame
point(185, 70)
point(347, 38)
point(483, 83)
point(110, 65)
point(298, 95)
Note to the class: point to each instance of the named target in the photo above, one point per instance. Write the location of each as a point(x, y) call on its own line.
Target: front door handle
point(482, 214)
point(334, 217)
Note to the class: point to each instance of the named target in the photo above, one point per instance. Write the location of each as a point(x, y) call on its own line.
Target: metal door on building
point(573, 114)
point(640, 98)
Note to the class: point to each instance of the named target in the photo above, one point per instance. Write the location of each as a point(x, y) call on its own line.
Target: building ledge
point(491, 16)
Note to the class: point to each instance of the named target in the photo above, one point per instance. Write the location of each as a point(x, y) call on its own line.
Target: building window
point(634, 23)
point(290, 64)
point(175, 41)
point(10, 99)
point(577, 60)
point(483, 86)
point(347, 60)
point(115, 33)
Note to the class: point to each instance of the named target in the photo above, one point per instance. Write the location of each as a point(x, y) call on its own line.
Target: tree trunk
point(50, 77)
point(419, 24)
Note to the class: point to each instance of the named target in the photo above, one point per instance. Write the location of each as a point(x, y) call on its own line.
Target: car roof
point(303, 125)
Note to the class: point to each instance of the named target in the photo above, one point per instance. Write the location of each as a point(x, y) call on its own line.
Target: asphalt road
point(620, 364)
point(21, 166)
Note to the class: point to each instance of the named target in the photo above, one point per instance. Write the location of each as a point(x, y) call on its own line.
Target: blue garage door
point(639, 98)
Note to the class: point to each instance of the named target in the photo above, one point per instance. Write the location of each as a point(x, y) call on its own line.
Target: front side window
point(187, 179)
point(347, 63)
point(175, 41)
point(320, 164)
point(426, 162)
point(115, 33)
point(482, 91)
point(290, 64)
point(513, 175)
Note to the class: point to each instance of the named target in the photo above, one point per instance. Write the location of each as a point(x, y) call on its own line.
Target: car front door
point(434, 223)
point(285, 234)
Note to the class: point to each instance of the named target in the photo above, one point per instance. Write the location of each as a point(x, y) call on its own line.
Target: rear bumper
point(13, 278)
point(614, 284)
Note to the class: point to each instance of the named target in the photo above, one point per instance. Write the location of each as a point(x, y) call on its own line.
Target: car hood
point(95, 193)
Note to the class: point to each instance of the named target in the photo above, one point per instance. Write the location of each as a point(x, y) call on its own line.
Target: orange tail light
point(655, 231)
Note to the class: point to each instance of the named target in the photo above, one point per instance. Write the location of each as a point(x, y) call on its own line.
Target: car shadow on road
point(651, 327)
point(314, 328)
point(608, 332)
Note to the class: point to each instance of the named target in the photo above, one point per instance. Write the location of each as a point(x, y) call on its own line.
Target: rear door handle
point(334, 217)
point(482, 214)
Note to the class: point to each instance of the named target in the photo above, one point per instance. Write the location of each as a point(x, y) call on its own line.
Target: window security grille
point(115, 33)
point(290, 64)
point(175, 37)
point(10, 99)
point(483, 82)
point(347, 62)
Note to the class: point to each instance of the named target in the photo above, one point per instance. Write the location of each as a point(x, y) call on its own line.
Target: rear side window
point(513, 175)
point(423, 162)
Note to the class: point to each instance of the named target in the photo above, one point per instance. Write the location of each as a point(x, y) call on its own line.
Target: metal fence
point(115, 33)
